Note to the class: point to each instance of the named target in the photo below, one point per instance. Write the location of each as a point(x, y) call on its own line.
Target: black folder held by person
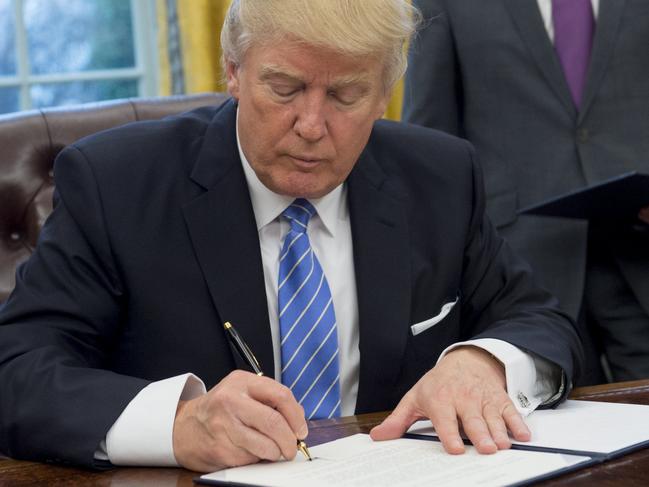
point(616, 199)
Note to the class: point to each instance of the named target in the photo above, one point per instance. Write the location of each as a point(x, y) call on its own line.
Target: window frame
point(145, 71)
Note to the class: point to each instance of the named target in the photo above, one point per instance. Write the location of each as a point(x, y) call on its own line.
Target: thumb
point(397, 423)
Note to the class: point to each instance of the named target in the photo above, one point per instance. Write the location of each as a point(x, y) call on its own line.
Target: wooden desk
point(630, 470)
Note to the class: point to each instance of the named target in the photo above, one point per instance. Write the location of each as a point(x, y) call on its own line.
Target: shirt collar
point(267, 205)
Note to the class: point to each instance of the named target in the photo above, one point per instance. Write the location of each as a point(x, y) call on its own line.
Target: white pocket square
point(417, 328)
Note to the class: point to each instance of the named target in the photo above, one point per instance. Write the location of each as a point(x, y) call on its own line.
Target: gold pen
point(246, 354)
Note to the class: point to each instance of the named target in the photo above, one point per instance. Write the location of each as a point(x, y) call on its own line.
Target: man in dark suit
point(162, 231)
point(546, 119)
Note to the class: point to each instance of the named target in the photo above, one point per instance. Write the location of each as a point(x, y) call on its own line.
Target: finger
point(497, 427)
point(476, 428)
point(515, 423)
point(209, 461)
point(272, 425)
point(232, 456)
point(398, 422)
point(444, 417)
point(280, 397)
point(249, 440)
point(644, 214)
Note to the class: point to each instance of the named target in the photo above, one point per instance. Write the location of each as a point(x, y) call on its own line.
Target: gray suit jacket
point(488, 72)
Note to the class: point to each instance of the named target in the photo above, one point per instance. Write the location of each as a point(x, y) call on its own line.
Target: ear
point(232, 77)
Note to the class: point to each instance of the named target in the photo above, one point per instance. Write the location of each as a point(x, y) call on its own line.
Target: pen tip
point(303, 448)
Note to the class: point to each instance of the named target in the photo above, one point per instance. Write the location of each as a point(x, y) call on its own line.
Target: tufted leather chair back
point(29, 143)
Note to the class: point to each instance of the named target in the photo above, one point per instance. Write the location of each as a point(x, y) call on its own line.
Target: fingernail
point(488, 444)
point(523, 434)
point(303, 433)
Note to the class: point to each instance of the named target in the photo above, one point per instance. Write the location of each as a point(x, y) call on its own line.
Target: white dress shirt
point(142, 435)
point(330, 235)
point(545, 6)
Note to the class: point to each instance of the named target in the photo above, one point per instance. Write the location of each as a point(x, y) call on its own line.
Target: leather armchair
point(29, 143)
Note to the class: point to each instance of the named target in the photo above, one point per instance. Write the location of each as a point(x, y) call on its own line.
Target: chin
point(307, 193)
point(299, 188)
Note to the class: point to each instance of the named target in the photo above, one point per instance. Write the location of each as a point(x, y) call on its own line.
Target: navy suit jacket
point(152, 245)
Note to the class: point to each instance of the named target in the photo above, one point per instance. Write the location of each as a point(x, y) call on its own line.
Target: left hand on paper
point(468, 388)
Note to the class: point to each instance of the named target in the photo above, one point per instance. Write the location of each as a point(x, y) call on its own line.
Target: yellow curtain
point(393, 112)
point(197, 30)
point(189, 49)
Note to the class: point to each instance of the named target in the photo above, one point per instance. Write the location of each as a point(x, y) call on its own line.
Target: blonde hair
point(358, 28)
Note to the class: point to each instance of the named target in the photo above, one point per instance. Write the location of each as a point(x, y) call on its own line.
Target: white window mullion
point(22, 56)
point(143, 15)
point(9, 81)
point(117, 73)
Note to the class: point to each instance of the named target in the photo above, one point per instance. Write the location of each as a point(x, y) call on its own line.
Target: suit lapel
point(606, 32)
point(528, 21)
point(223, 231)
point(382, 263)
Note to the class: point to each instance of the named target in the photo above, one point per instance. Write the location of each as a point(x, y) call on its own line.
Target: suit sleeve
point(501, 300)
point(433, 90)
point(59, 397)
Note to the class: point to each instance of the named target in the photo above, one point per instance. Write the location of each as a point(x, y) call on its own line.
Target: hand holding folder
point(619, 199)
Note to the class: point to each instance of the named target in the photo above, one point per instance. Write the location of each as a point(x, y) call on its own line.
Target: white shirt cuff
point(143, 433)
point(531, 380)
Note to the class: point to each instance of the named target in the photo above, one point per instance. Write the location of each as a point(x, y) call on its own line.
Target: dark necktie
point(574, 25)
point(309, 337)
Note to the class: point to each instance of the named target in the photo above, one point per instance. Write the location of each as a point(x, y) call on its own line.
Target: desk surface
point(629, 470)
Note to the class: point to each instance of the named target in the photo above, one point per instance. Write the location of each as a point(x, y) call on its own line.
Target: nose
point(311, 122)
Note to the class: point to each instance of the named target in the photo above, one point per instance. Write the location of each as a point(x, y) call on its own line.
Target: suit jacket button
point(582, 135)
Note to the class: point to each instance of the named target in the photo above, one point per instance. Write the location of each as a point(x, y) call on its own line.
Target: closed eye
point(347, 101)
point(348, 95)
point(284, 91)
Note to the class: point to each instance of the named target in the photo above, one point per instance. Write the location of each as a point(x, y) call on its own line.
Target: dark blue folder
point(616, 199)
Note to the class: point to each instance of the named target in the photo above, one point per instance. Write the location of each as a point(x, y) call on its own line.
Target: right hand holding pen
point(243, 419)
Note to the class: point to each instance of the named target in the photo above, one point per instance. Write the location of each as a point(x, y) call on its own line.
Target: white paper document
point(359, 461)
point(587, 426)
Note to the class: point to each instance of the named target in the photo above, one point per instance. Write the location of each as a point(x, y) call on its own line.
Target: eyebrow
point(270, 71)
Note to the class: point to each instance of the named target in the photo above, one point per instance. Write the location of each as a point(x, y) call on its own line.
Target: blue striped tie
point(307, 321)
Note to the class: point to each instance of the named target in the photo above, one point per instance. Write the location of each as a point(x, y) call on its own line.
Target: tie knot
point(298, 214)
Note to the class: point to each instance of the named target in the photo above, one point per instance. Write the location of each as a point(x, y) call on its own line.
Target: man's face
point(305, 114)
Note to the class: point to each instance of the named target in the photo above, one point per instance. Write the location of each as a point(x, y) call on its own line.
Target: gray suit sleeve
point(503, 301)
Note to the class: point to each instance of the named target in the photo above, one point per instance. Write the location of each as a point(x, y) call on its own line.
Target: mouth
point(304, 160)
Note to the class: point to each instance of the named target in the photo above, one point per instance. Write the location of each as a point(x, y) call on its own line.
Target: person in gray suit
point(492, 72)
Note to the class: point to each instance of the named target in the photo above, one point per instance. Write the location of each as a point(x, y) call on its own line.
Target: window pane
point(7, 38)
point(79, 35)
point(54, 94)
point(9, 100)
